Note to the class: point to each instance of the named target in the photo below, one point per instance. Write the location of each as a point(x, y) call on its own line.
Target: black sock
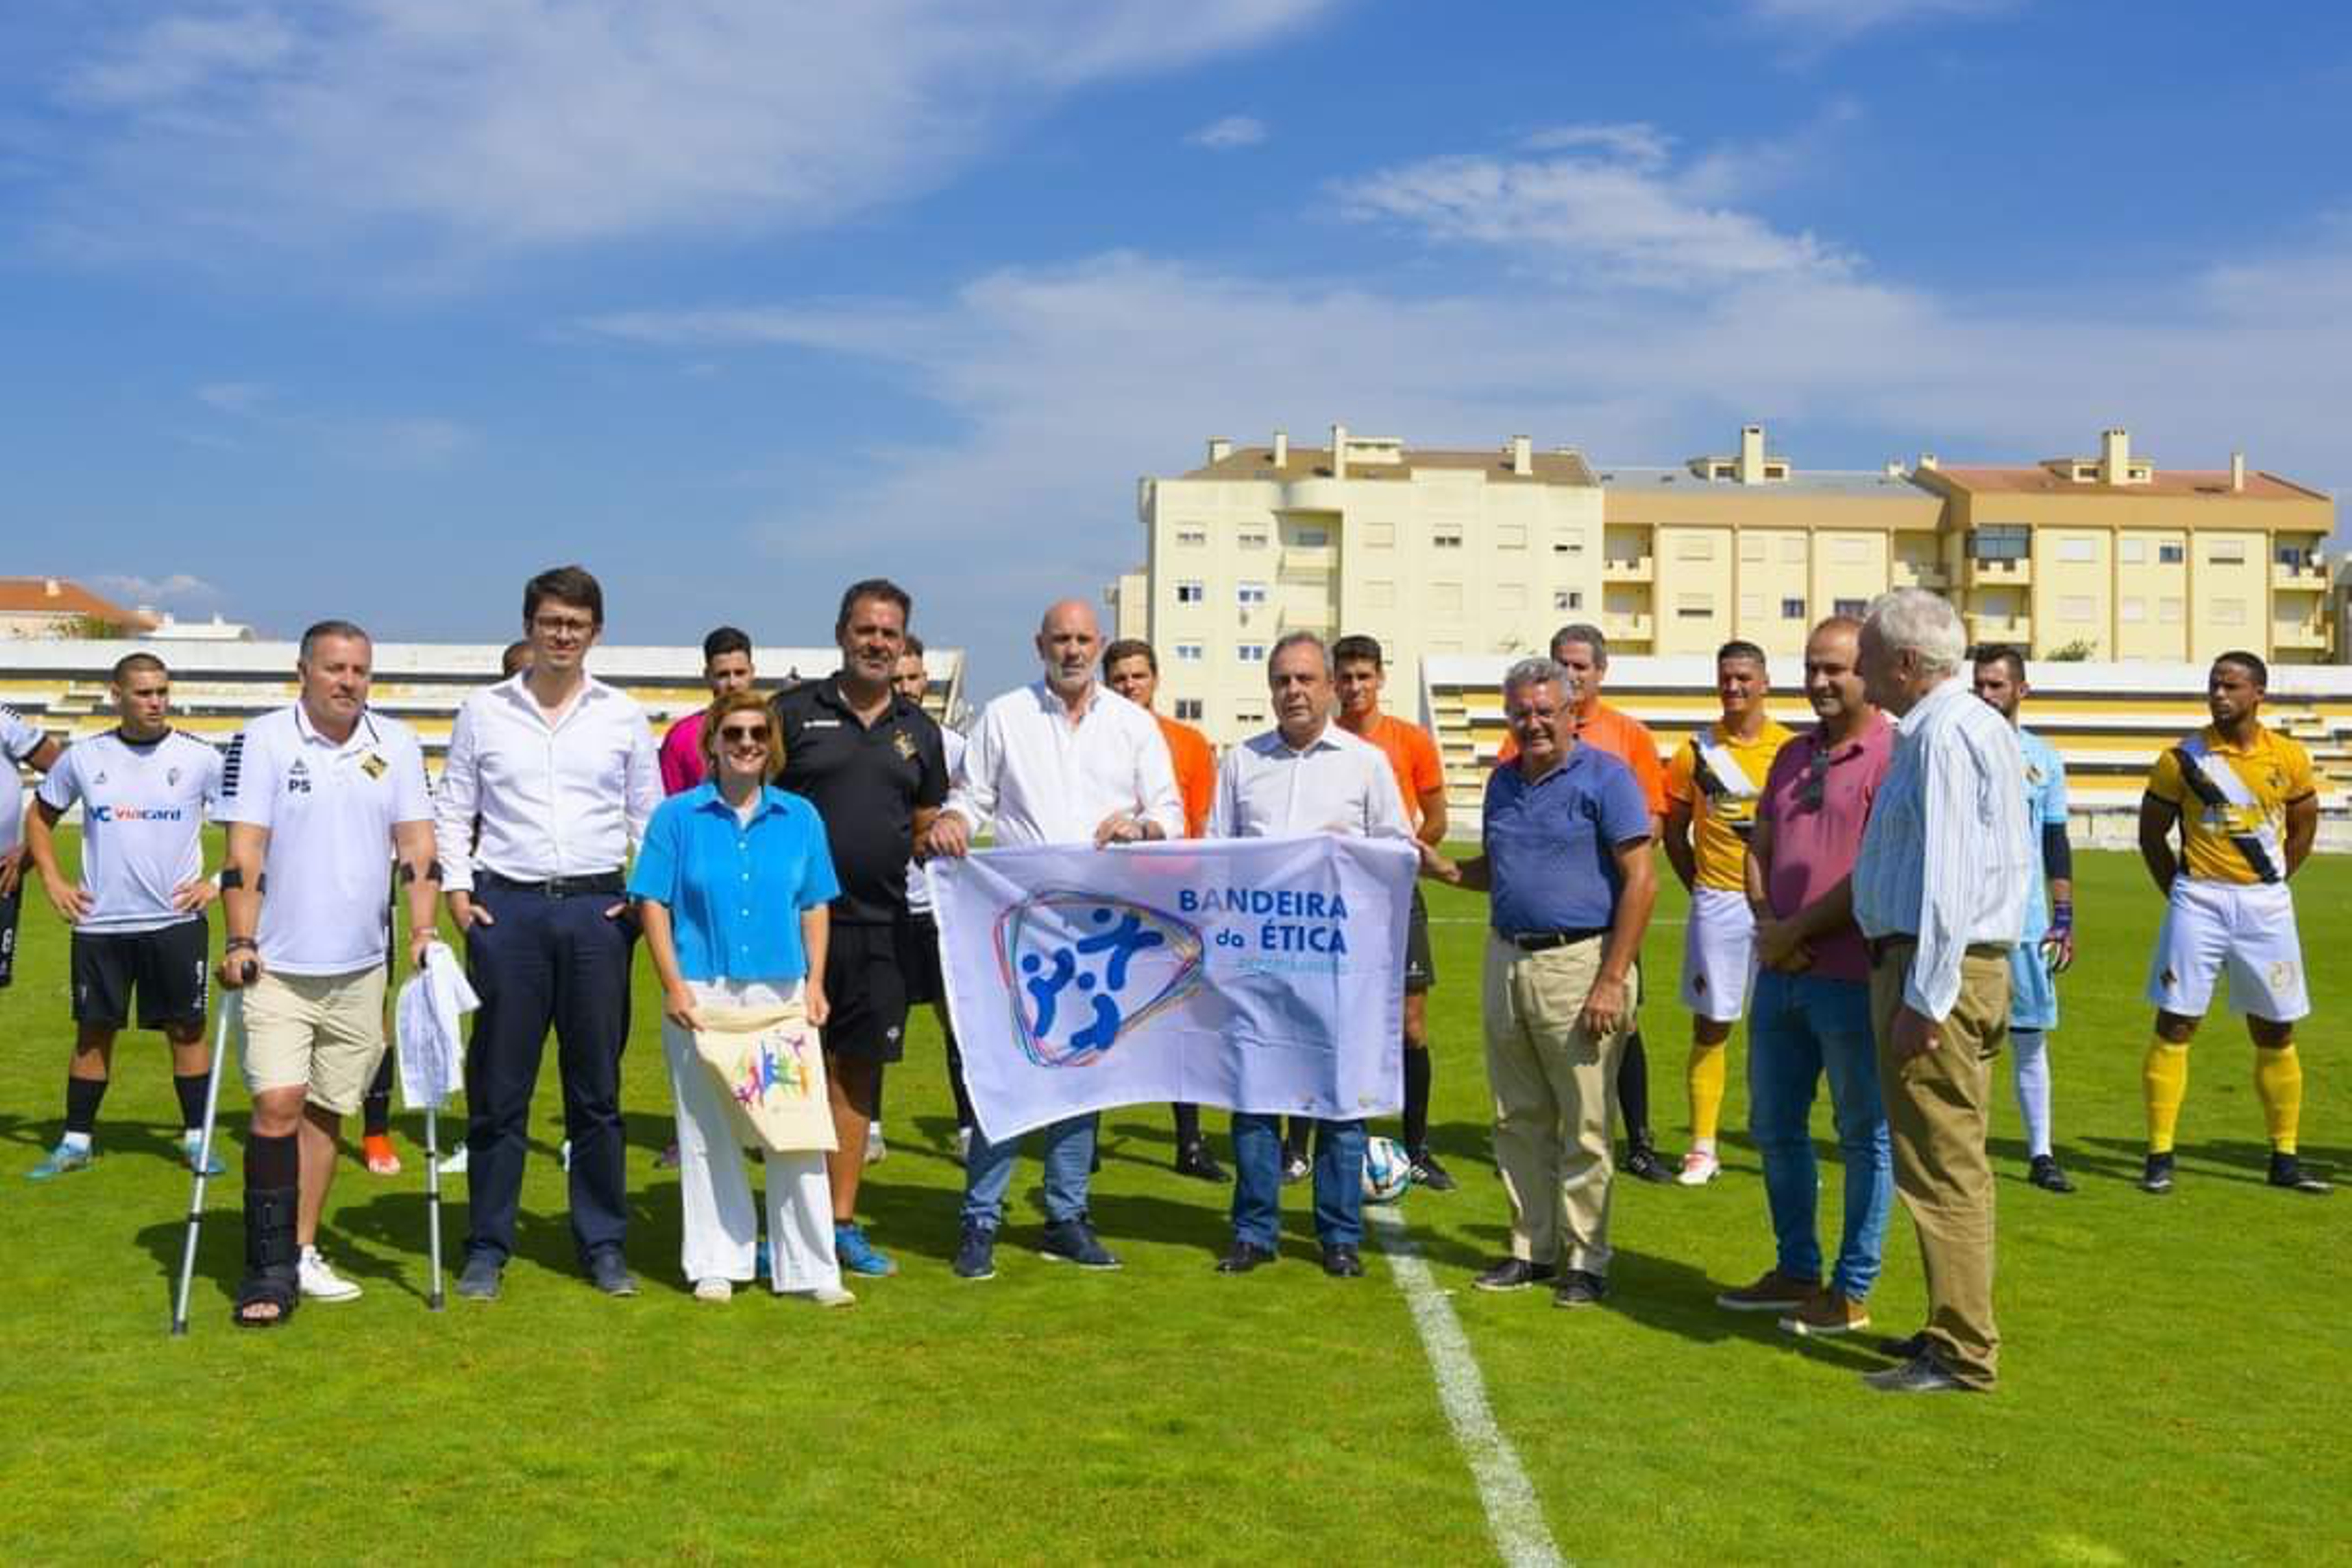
point(1188, 1125)
point(1416, 1099)
point(190, 1088)
point(272, 1165)
point(82, 1095)
point(1633, 1090)
point(376, 1105)
point(964, 1118)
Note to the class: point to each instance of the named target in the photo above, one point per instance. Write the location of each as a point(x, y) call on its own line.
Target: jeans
point(1069, 1156)
point(1257, 1185)
point(1799, 1025)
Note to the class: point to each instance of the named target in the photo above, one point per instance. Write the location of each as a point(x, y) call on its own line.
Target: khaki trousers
point(1554, 1087)
point(1937, 1106)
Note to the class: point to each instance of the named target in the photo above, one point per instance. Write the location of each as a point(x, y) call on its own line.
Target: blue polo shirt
point(735, 890)
point(1551, 845)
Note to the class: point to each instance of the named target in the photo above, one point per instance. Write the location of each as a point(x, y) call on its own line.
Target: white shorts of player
point(1719, 954)
point(2250, 928)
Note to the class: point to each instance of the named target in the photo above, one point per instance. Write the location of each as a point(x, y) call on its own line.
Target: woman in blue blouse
point(732, 883)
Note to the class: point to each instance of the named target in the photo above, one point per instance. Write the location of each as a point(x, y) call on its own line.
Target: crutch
point(204, 1160)
point(432, 1201)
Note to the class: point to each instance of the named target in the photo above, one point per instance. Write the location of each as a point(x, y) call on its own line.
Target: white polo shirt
point(566, 798)
point(1043, 779)
point(1335, 784)
point(19, 741)
point(142, 823)
point(330, 810)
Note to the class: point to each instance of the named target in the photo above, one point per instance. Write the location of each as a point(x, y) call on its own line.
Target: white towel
point(425, 1020)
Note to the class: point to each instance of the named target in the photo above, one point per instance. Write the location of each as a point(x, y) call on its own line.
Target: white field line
point(1514, 1514)
point(1480, 920)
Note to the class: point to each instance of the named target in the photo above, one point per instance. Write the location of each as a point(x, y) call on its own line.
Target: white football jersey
point(18, 741)
point(143, 822)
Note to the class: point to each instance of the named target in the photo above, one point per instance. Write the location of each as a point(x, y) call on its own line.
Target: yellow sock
point(1705, 1076)
point(2165, 1078)
point(2278, 1079)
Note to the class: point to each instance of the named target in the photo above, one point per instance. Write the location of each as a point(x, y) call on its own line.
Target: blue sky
point(374, 306)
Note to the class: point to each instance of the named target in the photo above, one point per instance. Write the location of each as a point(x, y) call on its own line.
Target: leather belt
point(604, 883)
point(1881, 948)
point(1545, 941)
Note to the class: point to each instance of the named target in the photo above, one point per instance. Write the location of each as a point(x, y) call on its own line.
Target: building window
point(1568, 544)
point(2227, 553)
point(1446, 598)
point(1853, 609)
point(1792, 549)
point(1446, 536)
point(1191, 592)
point(2229, 612)
point(1694, 607)
point(1510, 596)
point(2170, 610)
point(2130, 552)
point(1793, 610)
point(1313, 539)
point(1251, 538)
point(1380, 594)
point(2078, 547)
point(1189, 652)
point(2132, 611)
point(1695, 546)
point(1189, 536)
point(1249, 717)
point(1189, 710)
point(2002, 541)
point(2171, 555)
point(1248, 593)
point(1568, 599)
point(1751, 546)
point(1849, 549)
point(1751, 605)
point(1381, 536)
point(1250, 653)
point(2294, 557)
point(1511, 536)
point(2075, 607)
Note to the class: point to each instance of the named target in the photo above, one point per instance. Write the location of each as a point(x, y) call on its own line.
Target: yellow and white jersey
point(2233, 814)
point(1722, 799)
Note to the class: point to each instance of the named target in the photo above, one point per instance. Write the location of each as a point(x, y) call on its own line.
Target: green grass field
point(2175, 1373)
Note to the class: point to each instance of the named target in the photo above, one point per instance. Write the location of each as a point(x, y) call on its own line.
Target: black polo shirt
point(867, 784)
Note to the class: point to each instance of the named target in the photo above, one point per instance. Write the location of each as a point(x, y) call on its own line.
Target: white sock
point(2030, 1050)
point(1702, 1145)
point(78, 1142)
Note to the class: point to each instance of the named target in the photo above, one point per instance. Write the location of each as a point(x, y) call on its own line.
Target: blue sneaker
point(855, 1254)
point(192, 1146)
point(63, 1160)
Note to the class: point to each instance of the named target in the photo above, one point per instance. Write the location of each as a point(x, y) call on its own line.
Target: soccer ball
point(1387, 1170)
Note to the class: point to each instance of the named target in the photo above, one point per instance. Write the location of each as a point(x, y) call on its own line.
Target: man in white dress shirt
point(1062, 760)
point(1940, 892)
point(1306, 775)
point(561, 770)
point(315, 796)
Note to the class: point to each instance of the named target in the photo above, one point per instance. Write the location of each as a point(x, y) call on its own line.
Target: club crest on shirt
point(171, 777)
point(906, 745)
point(374, 767)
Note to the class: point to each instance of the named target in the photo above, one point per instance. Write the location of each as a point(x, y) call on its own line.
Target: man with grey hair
point(1307, 774)
point(1940, 892)
point(1565, 858)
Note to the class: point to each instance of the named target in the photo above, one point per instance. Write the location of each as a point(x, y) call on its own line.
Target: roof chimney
point(2115, 456)
point(2237, 471)
point(50, 589)
point(1523, 455)
point(1338, 452)
point(1751, 453)
point(1218, 449)
point(1927, 461)
point(1894, 468)
point(1281, 447)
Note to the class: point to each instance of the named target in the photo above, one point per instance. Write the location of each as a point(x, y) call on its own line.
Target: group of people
point(1870, 893)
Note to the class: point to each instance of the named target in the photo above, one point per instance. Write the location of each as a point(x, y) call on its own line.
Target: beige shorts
point(320, 1032)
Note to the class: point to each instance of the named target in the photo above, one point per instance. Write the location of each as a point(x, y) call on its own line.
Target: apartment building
point(1447, 553)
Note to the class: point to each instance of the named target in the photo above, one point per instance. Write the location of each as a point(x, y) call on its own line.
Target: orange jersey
point(1622, 736)
point(1413, 758)
point(1196, 771)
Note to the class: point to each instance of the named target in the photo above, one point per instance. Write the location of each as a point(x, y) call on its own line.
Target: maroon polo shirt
point(1817, 806)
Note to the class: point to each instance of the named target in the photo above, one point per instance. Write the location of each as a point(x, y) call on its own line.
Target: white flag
point(1263, 975)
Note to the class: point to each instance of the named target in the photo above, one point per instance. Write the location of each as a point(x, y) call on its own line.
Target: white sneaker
point(455, 1165)
point(1699, 1167)
point(832, 1296)
point(963, 1145)
point(714, 1290)
point(877, 1150)
point(320, 1283)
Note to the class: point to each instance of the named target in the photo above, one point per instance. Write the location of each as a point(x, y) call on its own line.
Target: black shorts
point(1420, 967)
point(12, 910)
point(167, 968)
point(865, 987)
point(918, 950)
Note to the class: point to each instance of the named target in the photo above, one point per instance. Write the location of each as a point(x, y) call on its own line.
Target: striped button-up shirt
point(1949, 854)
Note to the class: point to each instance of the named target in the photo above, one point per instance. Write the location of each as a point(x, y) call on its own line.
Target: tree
point(2079, 651)
point(97, 628)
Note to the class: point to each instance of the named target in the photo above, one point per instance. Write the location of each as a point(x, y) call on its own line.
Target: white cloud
point(394, 440)
point(1819, 21)
point(178, 590)
point(1609, 204)
point(232, 397)
point(1226, 135)
point(476, 127)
